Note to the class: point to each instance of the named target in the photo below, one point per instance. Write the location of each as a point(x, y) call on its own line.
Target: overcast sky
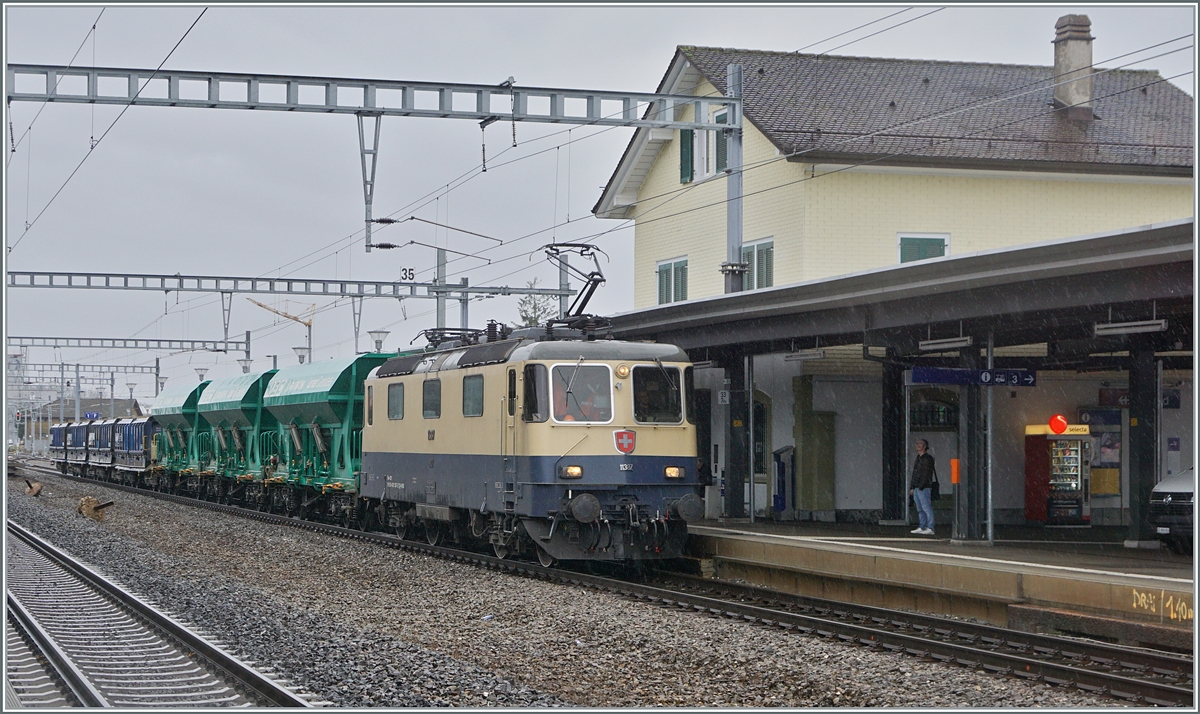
point(222, 192)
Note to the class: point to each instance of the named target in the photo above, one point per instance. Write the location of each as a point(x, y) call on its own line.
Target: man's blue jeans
point(924, 507)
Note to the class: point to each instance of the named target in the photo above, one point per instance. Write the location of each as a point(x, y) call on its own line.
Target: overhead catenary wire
point(106, 131)
point(17, 142)
point(474, 172)
point(571, 139)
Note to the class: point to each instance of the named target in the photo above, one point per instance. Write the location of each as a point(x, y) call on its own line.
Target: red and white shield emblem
point(625, 440)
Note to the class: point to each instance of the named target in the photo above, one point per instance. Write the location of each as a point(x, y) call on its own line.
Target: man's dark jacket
point(922, 473)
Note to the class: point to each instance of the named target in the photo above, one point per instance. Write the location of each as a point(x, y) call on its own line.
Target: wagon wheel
point(501, 551)
point(433, 532)
point(401, 529)
point(546, 559)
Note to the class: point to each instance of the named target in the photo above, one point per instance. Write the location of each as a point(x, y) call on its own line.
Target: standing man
point(920, 487)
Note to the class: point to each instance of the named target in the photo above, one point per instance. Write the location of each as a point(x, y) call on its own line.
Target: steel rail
point(968, 655)
point(1078, 650)
point(75, 680)
point(245, 675)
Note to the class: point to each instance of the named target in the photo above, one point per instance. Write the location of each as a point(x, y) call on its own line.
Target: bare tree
point(535, 309)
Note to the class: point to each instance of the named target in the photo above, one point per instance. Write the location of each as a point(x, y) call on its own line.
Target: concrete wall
point(849, 221)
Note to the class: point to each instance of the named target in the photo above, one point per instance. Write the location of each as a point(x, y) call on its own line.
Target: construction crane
point(307, 323)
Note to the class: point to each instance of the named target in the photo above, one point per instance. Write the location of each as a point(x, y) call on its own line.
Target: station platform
point(1080, 581)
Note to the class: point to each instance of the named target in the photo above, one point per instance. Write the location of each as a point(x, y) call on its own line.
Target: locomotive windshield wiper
point(666, 374)
point(571, 381)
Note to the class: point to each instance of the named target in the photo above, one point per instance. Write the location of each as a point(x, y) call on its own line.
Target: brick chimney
point(1073, 66)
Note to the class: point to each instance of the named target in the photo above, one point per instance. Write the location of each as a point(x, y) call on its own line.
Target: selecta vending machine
point(1058, 472)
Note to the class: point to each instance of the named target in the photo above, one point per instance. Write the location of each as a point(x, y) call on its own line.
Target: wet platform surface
point(1080, 573)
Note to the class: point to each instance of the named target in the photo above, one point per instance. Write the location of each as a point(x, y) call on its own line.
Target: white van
point(1171, 510)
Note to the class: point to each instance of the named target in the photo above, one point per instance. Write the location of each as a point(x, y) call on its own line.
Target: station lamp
point(952, 343)
point(245, 362)
point(200, 372)
point(131, 385)
point(379, 336)
point(302, 353)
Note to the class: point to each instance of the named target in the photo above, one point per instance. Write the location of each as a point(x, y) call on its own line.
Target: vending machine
point(1058, 474)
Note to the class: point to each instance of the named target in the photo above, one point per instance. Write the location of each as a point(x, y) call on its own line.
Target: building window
point(761, 258)
point(672, 280)
point(473, 395)
point(921, 246)
point(702, 153)
point(396, 400)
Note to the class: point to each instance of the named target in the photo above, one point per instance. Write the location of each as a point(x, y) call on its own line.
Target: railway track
point(1134, 675)
point(86, 642)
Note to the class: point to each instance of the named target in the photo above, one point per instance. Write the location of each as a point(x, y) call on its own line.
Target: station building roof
point(1055, 291)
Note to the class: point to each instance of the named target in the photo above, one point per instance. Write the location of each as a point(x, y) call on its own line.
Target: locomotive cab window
point(512, 392)
point(656, 395)
point(396, 401)
point(431, 399)
point(536, 404)
point(473, 395)
point(689, 390)
point(582, 393)
point(370, 405)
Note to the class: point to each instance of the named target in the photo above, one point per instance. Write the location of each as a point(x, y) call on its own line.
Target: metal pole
point(991, 506)
point(156, 376)
point(734, 279)
point(76, 392)
point(466, 299)
point(112, 395)
point(274, 361)
point(62, 394)
point(563, 284)
point(1158, 424)
point(907, 435)
point(310, 352)
point(441, 281)
point(750, 421)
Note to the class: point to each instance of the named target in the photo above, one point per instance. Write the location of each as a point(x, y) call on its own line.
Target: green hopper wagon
point(233, 409)
point(185, 440)
point(319, 410)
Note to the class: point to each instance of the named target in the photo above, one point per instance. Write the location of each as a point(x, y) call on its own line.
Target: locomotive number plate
point(627, 467)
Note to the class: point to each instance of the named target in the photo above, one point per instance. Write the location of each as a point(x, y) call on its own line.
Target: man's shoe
point(927, 531)
point(919, 531)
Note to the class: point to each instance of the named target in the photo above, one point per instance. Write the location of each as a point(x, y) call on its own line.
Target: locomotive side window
point(431, 399)
point(396, 400)
point(656, 396)
point(473, 395)
point(512, 392)
point(536, 405)
point(582, 393)
point(370, 405)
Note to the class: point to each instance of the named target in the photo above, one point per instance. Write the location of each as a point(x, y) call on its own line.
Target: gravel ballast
point(362, 625)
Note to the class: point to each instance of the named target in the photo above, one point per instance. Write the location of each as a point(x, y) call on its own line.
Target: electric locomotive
point(545, 442)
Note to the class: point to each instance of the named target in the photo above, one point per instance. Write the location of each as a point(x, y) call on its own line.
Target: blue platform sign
point(91, 415)
point(984, 377)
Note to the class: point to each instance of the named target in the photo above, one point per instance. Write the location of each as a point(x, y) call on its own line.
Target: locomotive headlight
point(622, 371)
point(673, 472)
point(570, 472)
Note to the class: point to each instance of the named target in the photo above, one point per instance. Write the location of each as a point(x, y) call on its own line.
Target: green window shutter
point(921, 248)
point(722, 158)
point(686, 140)
point(748, 277)
point(664, 284)
point(766, 265)
point(681, 280)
